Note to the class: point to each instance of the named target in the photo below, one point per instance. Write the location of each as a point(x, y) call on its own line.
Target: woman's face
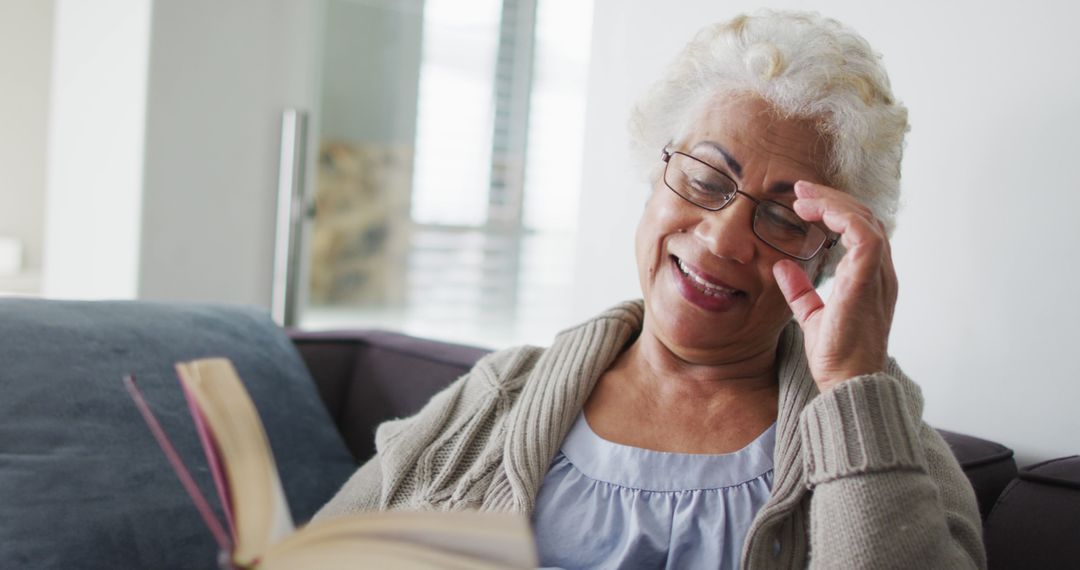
point(741, 312)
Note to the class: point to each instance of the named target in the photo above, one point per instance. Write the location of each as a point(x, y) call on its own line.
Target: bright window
point(468, 232)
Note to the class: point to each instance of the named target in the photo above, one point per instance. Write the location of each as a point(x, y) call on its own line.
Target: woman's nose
point(728, 233)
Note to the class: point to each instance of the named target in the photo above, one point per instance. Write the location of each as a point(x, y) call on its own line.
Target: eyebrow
point(776, 188)
point(781, 188)
point(730, 160)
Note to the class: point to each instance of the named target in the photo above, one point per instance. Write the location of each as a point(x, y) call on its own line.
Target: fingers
point(840, 215)
point(892, 286)
point(815, 200)
point(862, 234)
point(869, 255)
point(799, 292)
point(804, 189)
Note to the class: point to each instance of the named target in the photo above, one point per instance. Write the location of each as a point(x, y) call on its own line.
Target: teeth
point(709, 288)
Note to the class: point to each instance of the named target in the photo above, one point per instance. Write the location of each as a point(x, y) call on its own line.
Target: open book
point(261, 533)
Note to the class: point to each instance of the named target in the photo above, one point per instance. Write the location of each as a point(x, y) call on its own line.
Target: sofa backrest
point(367, 377)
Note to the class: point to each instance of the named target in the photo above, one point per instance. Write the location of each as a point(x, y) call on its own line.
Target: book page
point(261, 512)
point(213, 458)
point(500, 539)
point(363, 553)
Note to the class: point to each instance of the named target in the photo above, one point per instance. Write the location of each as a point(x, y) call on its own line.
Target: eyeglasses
point(705, 186)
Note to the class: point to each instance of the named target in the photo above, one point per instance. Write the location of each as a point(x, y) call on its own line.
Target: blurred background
point(459, 169)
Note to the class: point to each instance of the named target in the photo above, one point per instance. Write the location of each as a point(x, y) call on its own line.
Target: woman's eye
point(707, 187)
point(784, 223)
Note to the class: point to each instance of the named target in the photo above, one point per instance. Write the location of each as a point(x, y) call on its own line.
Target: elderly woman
point(731, 417)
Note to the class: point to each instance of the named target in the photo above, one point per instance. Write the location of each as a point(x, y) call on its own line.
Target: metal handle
point(290, 217)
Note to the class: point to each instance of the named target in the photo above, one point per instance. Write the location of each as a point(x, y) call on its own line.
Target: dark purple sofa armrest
point(366, 377)
point(988, 465)
point(1036, 521)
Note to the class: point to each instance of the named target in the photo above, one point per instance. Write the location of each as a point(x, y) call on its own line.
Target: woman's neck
point(669, 377)
point(652, 398)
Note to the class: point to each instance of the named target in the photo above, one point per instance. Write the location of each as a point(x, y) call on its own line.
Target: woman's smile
point(703, 290)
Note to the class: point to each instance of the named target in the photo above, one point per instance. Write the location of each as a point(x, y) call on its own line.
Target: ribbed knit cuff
point(861, 425)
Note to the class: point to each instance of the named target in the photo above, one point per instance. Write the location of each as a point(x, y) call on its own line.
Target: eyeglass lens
point(774, 223)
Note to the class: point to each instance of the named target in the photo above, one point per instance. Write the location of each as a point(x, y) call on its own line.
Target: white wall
point(221, 73)
point(987, 239)
point(95, 148)
point(25, 61)
point(163, 147)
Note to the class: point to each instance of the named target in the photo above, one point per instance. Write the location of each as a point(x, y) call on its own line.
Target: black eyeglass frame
point(666, 154)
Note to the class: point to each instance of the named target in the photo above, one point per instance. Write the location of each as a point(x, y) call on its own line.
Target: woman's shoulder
point(510, 367)
point(506, 368)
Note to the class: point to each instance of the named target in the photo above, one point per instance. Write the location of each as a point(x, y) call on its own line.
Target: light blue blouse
point(605, 505)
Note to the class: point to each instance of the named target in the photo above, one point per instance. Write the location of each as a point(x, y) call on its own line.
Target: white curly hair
point(806, 67)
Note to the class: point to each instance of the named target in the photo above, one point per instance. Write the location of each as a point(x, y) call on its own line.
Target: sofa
point(84, 485)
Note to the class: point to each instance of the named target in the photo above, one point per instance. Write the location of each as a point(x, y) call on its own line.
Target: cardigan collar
point(565, 375)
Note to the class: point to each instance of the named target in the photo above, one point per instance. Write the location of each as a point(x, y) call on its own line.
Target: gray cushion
point(82, 482)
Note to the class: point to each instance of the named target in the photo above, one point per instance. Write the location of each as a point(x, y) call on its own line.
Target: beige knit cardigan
point(860, 480)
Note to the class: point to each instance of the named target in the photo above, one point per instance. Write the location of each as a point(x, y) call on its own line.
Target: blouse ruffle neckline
point(661, 471)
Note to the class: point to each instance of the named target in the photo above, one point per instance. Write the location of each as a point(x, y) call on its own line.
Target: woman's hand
point(849, 335)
